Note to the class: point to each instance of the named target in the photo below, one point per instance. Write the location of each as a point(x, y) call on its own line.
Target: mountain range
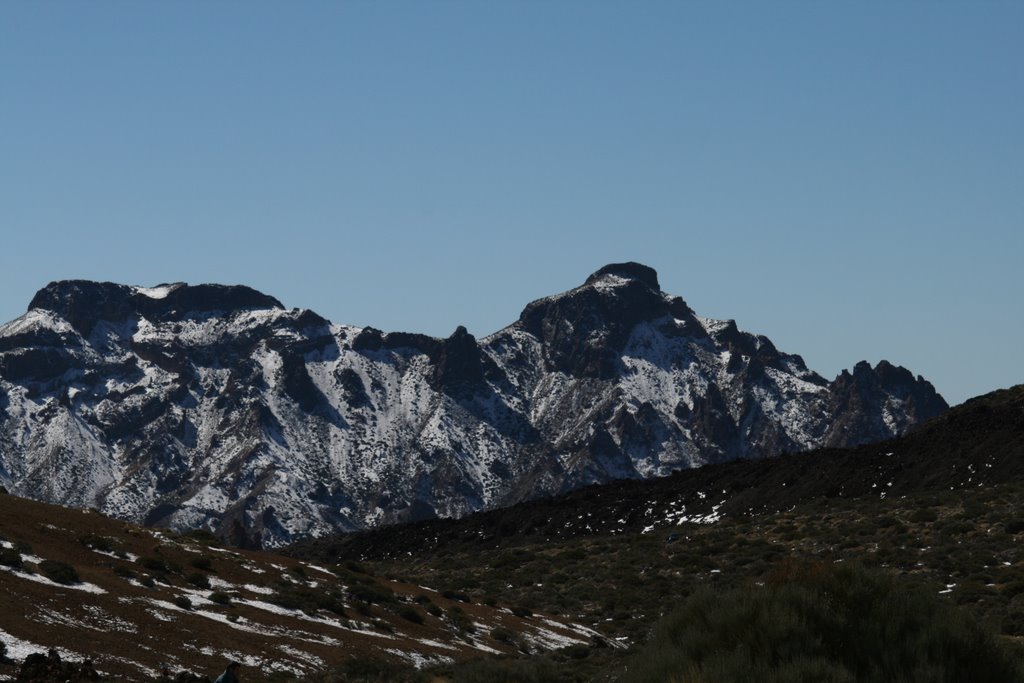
point(216, 407)
point(976, 445)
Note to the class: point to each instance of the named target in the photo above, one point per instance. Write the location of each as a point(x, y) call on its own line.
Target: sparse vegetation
point(97, 542)
point(155, 564)
point(410, 614)
point(123, 572)
point(203, 562)
point(821, 623)
point(309, 600)
point(502, 634)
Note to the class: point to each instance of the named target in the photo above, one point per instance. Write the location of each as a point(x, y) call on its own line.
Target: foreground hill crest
point(214, 406)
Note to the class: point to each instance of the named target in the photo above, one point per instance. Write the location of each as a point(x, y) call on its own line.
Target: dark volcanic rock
point(585, 330)
point(84, 303)
point(873, 403)
point(458, 370)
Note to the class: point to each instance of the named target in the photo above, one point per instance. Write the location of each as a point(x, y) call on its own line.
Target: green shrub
point(154, 564)
point(576, 651)
point(59, 572)
point(382, 625)
point(123, 572)
point(460, 619)
point(147, 581)
point(308, 600)
point(923, 515)
point(364, 669)
point(457, 596)
point(97, 542)
point(182, 601)
point(372, 593)
point(202, 536)
point(411, 614)
point(9, 557)
point(353, 566)
point(220, 598)
point(202, 562)
point(198, 580)
point(822, 623)
point(502, 634)
point(508, 671)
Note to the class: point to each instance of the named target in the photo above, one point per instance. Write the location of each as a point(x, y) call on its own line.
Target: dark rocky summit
point(214, 406)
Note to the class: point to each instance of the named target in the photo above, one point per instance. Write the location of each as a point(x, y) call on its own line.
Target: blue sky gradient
point(846, 178)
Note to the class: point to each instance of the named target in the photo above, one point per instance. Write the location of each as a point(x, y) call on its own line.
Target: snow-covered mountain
point(214, 406)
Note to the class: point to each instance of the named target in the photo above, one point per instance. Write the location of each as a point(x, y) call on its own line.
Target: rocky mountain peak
point(875, 402)
point(629, 271)
point(585, 329)
point(83, 303)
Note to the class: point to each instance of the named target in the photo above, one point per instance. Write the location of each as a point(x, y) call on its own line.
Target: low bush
point(363, 669)
point(154, 564)
point(182, 602)
point(59, 572)
point(9, 557)
point(923, 515)
point(509, 671)
point(308, 600)
point(456, 596)
point(203, 562)
point(372, 593)
point(123, 572)
point(460, 619)
point(411, 614)
point(198, 580)
point(502, 634)
point(822, 623)
point(203, 536)
point(220, 598)
point(97, 542)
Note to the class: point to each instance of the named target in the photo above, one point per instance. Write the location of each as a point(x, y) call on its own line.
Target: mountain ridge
point(978, 443)
point(214, 406)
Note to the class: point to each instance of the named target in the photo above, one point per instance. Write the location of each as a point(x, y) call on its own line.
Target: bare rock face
point(215, 407)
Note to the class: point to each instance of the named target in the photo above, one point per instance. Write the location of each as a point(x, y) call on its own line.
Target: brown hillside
point(127, 611)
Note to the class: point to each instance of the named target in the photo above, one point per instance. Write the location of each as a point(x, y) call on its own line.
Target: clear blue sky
point(847, 178)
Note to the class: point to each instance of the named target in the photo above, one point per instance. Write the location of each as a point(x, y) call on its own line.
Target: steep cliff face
point(217, 407)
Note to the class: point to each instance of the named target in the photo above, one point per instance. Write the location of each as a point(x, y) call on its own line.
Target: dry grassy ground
point(137, 598)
